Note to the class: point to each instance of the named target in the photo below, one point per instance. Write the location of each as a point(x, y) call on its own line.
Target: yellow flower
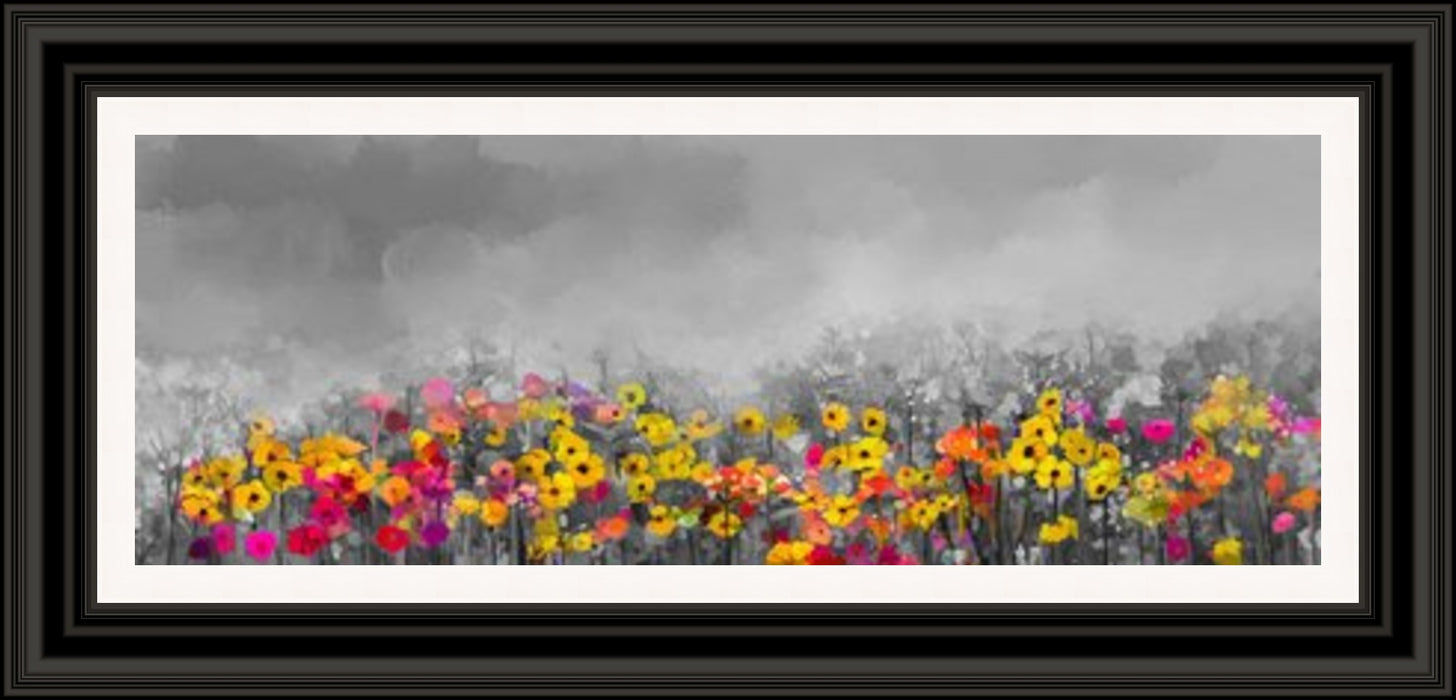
point(1150, 510)
point(634, 464)
point(465, 503)
point(910, 478)
point(260, 426)
point(1049, 404)
point(419, 440)
point(569, 448)
point(749, 421)
point(724, 525)
point(1026, 453)
point(268, 450)
point(842, 511)
point(1102, 481)
point(701, 426)
point(641, 488)
point(1054, 473)
point(201, 504)
point(835, 457)
point(835, 417)
point(702, 472)
point(632, 395)
point(661, 522)
point(1146, 483)
point(496, 436)
point(785, 426)
point(494, 512)
point(789, 553)
point(556, 491)
point(923, 514)
point(1063, 529)
point(657, 428)
point(587, 472)
point(1108, 452)
point(556, 411)
point(1248, 448)
point(225, 471)
point(873, 421)
point(676, 463)
point(1040, 428)
point(251, 497)
point(282, 476)
point(1228, 551)
point(531, 466)
point(580, 542)
point(1077, 447)
point(867, 453)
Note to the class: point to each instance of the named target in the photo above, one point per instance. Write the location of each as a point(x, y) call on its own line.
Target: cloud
point(719, 253)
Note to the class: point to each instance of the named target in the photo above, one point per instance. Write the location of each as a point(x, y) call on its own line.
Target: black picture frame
point(61, 57)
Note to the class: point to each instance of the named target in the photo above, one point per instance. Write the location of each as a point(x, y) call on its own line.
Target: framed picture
point(376, 327)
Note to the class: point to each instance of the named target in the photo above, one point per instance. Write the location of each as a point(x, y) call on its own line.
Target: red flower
point(824, 555)
point(306, 540)
point(990, 432)
point(391, 539)
point(396, 422)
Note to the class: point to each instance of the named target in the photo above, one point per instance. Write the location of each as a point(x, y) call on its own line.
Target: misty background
point(318, 261)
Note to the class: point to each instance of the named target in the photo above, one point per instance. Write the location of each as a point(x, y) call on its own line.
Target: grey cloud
point(720, 252)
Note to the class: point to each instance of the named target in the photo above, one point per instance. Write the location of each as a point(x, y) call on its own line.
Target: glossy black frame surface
point(61, 57)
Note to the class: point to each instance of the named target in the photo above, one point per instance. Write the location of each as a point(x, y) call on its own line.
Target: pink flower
point(1158, 430)
point(1082, 410)
point(224, 538)
point(260, 545)
point(815, 456)
point(437, 393)
point(1177, 548)
point(1117, 425)
point(1283, 522)
point(533, 386)
point(503, 471)
point(1306, 426)
point(376, 402)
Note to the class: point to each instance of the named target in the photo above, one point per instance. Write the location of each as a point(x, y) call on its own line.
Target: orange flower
point(1275, 485)
point(1307, 499)
point(1212, 475)
point(395, 490)
point(944, 469)
point(612, 529)
point(960, 443)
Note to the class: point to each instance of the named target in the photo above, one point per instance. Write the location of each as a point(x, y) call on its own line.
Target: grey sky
point(715, 252)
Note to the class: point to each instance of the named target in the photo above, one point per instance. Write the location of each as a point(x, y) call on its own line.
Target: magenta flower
point(224, 538)
point(1177, 548)
point(1158, 430)
point(1117, 425)
point(435, 533)
point(1283, 522)
point(1306, 426)
point(815, 456)
point(260, 545)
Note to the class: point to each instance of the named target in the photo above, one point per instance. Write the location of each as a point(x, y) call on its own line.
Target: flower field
point(556, 471)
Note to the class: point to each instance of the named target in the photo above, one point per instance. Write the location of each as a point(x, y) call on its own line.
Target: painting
point(727, 350)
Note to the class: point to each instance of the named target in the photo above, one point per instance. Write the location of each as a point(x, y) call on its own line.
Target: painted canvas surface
point(728, 350)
